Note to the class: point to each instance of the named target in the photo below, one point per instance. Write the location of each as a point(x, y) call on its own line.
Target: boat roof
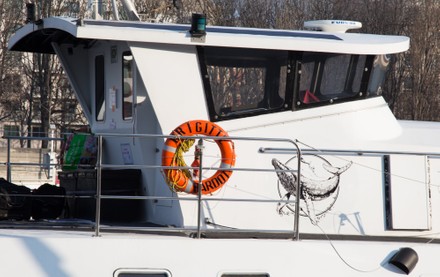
point(39, 36)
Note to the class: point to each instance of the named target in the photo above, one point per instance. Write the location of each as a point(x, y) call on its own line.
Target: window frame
point(245, 274)
point(141, 272)
point(288, 93)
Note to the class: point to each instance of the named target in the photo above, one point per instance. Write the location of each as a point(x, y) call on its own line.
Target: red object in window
point(310, 98)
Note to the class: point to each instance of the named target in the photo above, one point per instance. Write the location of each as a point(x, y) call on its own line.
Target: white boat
point(284, 108)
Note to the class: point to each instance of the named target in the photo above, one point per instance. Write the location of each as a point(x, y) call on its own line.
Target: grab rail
point(100, 166)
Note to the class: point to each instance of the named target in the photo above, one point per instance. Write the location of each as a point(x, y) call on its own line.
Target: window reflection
point(127, 87)
point(99, 88)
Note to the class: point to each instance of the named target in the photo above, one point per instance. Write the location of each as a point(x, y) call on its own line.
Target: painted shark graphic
point(322, 187)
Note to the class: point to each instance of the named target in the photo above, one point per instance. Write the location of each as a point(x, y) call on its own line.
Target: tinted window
point(331, 77)
point(243, 82)
point(99, 88)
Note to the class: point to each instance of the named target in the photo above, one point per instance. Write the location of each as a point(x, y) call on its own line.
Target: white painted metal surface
point(410, 197)
point(224, 36)
point(79, 254)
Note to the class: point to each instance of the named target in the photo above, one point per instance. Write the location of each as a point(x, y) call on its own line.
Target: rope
point(344, 260)
point(174, 175)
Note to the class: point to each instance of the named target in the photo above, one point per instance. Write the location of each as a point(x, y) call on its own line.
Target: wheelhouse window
point(328, 78)
point(127, 88)
point(99, 88)
point(243, 82)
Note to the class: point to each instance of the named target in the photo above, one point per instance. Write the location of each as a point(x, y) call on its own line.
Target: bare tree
point(11, 82)
point(424, 64)
point(412, 86)
point(158, 10)
point(291, 14)
point(31, 83)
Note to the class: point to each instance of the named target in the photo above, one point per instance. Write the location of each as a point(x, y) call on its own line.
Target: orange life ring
point(181, 181)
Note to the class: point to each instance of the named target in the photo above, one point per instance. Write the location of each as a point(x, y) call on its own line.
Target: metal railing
point(98, 196)
point(198, 230)
point(9, 164)
point(100, 166)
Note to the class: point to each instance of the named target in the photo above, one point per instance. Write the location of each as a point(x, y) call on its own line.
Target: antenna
point(332, 26)
point(130, 10)
point(30, 12)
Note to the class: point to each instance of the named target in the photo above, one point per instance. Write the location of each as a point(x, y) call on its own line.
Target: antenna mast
point(130, 10)
point(97, 9)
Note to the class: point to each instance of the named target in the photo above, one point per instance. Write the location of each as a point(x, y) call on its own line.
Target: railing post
point(8, 162)
point(199, 152)
point(298, 196)
point(98, 187)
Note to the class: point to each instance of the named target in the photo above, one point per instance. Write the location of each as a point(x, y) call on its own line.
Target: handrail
point(98, 186)
point(347, 152)
point(100, 166)
point(32, 138)
point(9, 164)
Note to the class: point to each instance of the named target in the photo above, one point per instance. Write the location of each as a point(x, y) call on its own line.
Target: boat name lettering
point(215, 182)
point(200, 128)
